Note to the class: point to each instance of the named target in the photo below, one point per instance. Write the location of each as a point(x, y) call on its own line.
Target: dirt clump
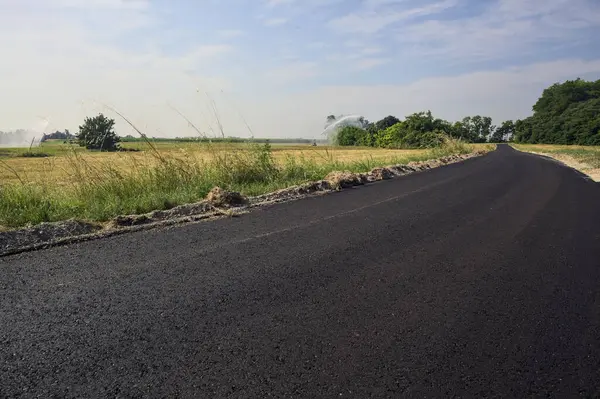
point(345, 179)
point(291, 193)
point(220, 197)
point(381, 174)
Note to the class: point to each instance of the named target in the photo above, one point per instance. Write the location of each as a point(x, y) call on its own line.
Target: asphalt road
point(475, 279)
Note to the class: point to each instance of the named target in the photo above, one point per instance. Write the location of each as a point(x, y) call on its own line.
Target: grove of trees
point(567, 113)
point(420, 130)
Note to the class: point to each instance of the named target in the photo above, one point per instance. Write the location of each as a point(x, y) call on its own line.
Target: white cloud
point(114, 4)
point(61, 66)
point(505, 28)
point(368, 21)
point(64, 64)
point(306, 4)
point(504, 94)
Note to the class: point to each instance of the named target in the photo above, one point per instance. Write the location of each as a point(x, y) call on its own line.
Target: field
point(586, 159)
point(61, 164)
point(74, 183)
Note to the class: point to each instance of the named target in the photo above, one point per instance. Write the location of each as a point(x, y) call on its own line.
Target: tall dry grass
point(99, 191)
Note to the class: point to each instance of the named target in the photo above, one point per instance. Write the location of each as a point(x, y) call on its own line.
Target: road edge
point(566, 161)
point(47, 235)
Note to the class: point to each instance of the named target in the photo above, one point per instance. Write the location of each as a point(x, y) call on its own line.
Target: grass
point(75, 183)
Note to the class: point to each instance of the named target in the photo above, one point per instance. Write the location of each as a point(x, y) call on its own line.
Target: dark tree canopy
point(503, 133)
point(386, 122)
point(567, 113)
point(97, 134)
point(58, 135)
point(418, 130)
point(352, 135)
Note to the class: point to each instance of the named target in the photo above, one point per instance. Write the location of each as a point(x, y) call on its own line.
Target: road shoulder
point(571, 162)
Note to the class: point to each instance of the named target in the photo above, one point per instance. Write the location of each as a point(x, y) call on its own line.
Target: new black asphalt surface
point(476, 279)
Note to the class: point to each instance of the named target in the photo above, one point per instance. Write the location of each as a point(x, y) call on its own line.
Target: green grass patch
point(102, 191)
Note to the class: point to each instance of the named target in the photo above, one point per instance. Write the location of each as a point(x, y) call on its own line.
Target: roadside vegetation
point(98, 186)
point(567, 113)
point(418, 130)
point(97, 175)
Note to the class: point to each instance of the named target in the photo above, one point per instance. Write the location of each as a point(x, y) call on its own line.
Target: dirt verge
point(218, 203)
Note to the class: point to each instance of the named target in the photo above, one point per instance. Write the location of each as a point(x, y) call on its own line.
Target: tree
point(391, 136)
point(566, 113)
point(503, 133)
point(481, 128)
point(58, 135)
point(97, 134)
point(523, 130)
point(351, 135)
point(420, 122)
point(386, 122)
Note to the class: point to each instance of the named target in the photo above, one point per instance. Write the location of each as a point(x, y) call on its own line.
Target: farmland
point(61, 161)
point(71, 182)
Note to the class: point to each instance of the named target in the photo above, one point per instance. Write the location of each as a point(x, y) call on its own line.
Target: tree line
point(420, 130)
point(566, 113)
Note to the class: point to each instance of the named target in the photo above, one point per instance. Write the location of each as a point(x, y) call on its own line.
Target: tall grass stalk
point(99, 191)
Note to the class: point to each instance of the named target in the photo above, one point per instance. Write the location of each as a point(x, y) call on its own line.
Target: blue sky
point(283, 65)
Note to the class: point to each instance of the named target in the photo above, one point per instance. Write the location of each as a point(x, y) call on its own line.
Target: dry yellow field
point(61, 167)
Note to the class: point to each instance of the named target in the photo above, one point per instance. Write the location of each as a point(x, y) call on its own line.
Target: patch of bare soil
point(219, 202)
point(219, 197)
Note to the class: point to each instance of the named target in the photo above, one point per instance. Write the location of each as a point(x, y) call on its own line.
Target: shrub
point(392, 136)
point(351, 135)
point(34, 154)
point(422, 140)
point(97, 134)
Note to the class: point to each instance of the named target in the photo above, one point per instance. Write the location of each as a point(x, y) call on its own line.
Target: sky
point(277, 68)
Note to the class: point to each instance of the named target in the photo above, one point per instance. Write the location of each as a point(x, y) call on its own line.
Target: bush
point(351, 135)
point(34, 154)
point(423, 140)
point(97, 134)
point(391, 137)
